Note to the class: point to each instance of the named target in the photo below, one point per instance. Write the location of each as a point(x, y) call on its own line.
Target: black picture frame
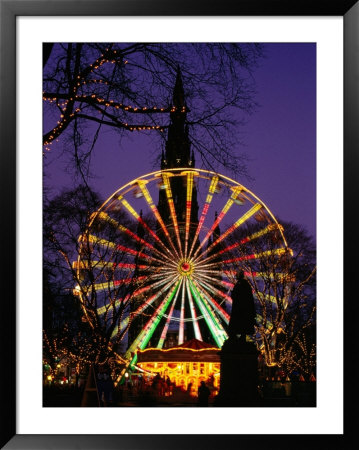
point(9, 10)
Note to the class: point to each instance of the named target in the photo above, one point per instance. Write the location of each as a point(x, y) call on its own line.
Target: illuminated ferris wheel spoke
point(190, 175)
point(109, 306)
point(149, 200)
point(171, 271)
point(129, 280)
point(106, 218)
point(124, 323)
point(168, 320)
point(219, 282)
point(231, 274)
point(135, 214)
point(117, 247)
point(162, 274)
point(255, 208)
point(92, 239)
point(142, 308)
point(171, 266)
point(277, 252)
point(182, 314)
point(211, 191)
point(106, 286)
point(145, 335)
point(167, 184)
point(96, 264)
point(204, 258)
point(205, 274)
point(201, 265)
point(280, 276)
point(135, 294)
point(217, 273)
point(236, 191)
point(109, 285)
point(163, 262)
point(197, 332)
point(138, 254)
point(258, 234)
point(215, 291)
point(268, 325)
point(148, 287)
point(168, 278)
point(239, 222)
point(268, 229)
point(215, 327)
point(264, 297)
point(161, 255)
point(216, 306)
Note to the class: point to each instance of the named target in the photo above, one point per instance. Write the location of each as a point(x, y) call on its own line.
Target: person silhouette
point(243, 312)
point(203, 394)
point(104, 385)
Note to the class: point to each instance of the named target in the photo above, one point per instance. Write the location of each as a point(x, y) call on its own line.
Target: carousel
point(186, 365)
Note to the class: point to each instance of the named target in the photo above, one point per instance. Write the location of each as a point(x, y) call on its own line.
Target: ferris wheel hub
point(185, 267)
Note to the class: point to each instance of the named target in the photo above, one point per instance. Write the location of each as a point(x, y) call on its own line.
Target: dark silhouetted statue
point(239, 357)
point(243, 309)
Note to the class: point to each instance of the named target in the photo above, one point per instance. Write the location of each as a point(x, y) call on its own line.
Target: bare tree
point(94, 272)
point(88, 87)
point(284, 284)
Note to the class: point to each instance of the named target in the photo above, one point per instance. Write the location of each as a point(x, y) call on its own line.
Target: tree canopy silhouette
point(127, 88)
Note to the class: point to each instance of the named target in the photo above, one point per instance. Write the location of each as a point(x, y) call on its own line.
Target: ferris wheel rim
point(178, 171)
point(191, 285)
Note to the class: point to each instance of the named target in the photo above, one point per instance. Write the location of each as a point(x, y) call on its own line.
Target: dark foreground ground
point(273, 394)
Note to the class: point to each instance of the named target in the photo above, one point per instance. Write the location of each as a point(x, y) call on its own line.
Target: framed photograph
point(224, 140)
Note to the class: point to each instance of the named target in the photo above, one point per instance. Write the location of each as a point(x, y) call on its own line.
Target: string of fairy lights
point(66, 100)
point(84, 353)
point(303, 361)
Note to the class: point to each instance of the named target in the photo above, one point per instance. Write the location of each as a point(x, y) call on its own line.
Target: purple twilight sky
point(279, 139)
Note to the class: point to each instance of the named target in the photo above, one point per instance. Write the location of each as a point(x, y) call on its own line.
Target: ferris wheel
point(161, 254)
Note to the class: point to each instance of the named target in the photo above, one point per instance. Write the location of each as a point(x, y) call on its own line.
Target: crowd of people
point(159, 388)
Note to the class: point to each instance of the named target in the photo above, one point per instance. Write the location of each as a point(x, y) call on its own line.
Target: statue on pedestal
point(243, 313)
point(239, 357)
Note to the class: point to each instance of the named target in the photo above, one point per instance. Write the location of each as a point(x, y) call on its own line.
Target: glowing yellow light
point(236, 191)
point(77, 290)
point(239, 222)
point(166, 182)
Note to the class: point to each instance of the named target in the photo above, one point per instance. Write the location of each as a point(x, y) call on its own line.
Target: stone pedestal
point(239, 374)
